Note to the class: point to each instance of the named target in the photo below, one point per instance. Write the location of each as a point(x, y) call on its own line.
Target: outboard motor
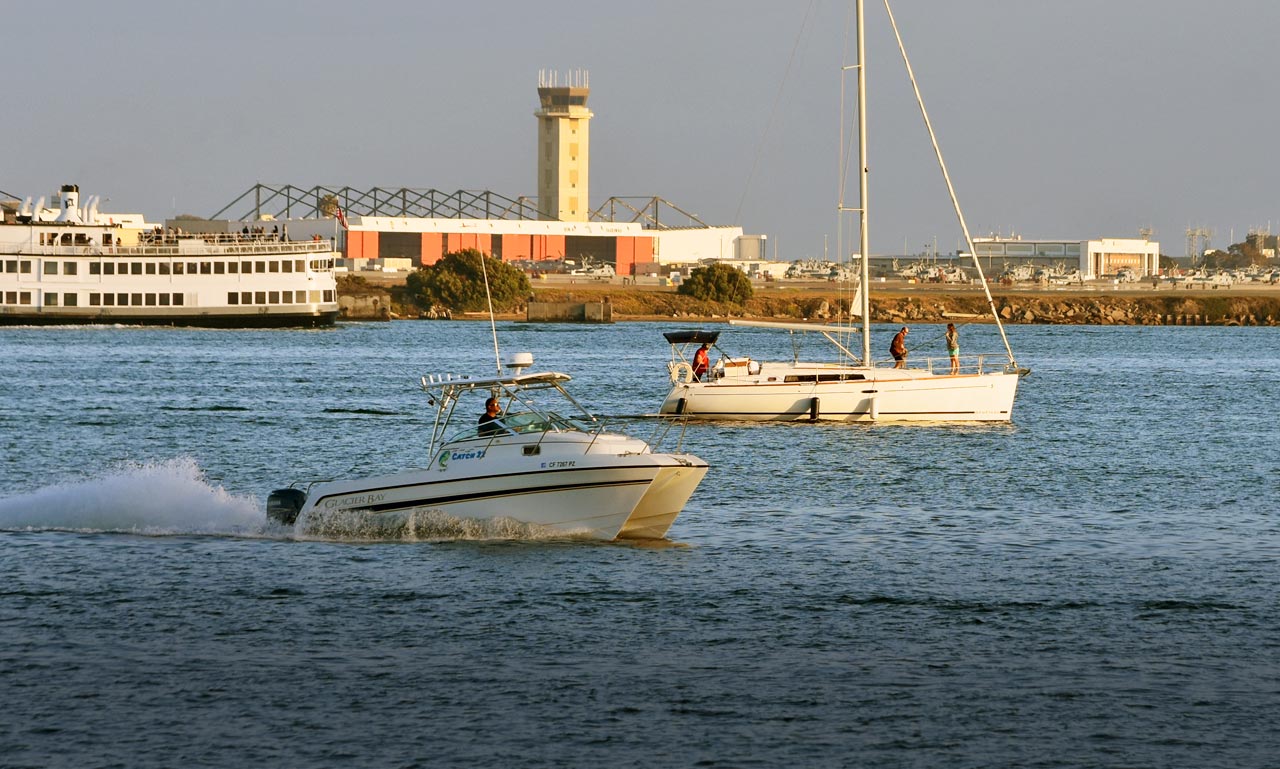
point(283, 505)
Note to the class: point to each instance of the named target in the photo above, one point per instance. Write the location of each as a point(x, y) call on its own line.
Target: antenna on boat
point(493, 326)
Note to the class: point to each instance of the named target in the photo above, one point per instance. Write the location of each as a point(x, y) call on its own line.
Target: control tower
point(563, 146)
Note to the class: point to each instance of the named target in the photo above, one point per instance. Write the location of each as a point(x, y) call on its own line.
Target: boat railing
point(190, 247)
point(983, 363)
point(662, 431)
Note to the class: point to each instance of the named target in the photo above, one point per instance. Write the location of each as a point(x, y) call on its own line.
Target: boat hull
point(188, 319)
point(598, 497)
point(917, 397)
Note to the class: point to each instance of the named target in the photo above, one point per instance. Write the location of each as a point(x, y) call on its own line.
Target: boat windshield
point(522, 422)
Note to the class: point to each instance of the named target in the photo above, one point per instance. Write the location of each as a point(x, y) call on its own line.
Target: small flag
point(342, 218)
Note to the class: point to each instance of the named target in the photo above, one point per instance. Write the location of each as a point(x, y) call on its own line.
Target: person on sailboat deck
point(488, 425)
point(701, 361)
point(953, 348)
point(898, 348)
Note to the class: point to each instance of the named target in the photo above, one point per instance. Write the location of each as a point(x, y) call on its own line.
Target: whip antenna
point(493, 327)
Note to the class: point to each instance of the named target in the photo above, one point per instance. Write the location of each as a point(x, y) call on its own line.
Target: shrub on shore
point(456, 282)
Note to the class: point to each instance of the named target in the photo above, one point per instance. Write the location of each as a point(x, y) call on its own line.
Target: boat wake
point(154, 498)
point(424, 525)
point(173, 497)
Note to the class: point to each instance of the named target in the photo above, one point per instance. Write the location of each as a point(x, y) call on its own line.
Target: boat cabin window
point(823, 377)
point(69, 268)
point(50, 268)
point(108, 268)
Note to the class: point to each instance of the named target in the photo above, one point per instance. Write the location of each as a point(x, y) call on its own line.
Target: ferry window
point(108, 300)
point(95, 268)
point(315, 297)
point(232, 267)
point(177, 268)
point(299, 265)
point(151, 300)
point(193, 268)
point(273, 297)
point(11, 297)
point(70, 300)
point(246, 297)
point(50, 268)
point(25, 267)
point(286, 266)
point(300, 297)
point(261, 267)
point(95, 300)
point(50, 300)
point(162, 268)
point(328, 295)
point(11, 265)
point(68, 268)
point(151, 268)
point(164, 300)
point(260, 297)
point(206, 268)
point(136, 268)
point(122, 300)
point(246, 268)
point(274, 266)
point(24, 297)
point(108, 268)
point(137, 300)
point(219, 268)
point(233, 297)
point(177, 299)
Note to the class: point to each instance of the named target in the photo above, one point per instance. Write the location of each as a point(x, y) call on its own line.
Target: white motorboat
point(533, 467)
point(851, 387)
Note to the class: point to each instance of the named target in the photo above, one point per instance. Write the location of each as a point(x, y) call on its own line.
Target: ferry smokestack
point(70, 196)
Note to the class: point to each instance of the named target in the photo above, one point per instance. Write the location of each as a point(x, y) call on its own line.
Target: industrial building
point(1093, 258)
point(633, 236)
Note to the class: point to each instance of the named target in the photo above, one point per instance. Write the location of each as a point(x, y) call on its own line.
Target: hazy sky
point(1057, 119)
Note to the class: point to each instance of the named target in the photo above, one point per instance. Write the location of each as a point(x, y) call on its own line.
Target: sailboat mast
point(864, 248)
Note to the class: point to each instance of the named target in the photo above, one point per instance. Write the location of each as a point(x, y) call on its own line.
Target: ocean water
point(1093, 585)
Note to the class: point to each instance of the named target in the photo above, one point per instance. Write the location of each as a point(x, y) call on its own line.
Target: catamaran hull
point(636, 500)
point(927, 398)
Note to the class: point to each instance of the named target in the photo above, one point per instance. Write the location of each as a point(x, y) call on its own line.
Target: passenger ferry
point(68, 264)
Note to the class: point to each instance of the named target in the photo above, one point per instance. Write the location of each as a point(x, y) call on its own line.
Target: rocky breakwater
point(1183, 309)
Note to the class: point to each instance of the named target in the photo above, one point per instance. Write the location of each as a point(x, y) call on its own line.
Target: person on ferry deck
point(488, 423)
point(701, 361)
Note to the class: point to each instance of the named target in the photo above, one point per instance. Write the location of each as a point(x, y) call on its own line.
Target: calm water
point(1094, 585)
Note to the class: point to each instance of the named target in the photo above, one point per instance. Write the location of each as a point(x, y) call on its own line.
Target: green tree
point(457, 282)
point(328, 206)
point(718, 283)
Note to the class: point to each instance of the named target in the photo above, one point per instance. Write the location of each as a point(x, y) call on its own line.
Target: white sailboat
point(853, 387)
